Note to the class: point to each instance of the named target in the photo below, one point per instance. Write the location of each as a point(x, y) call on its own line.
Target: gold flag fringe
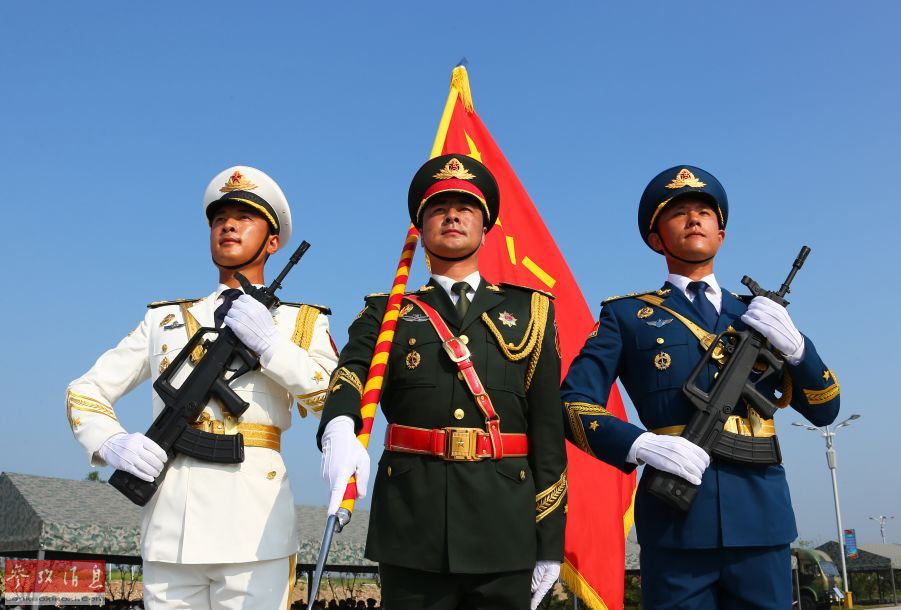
point(578, 585)
point(460, 82)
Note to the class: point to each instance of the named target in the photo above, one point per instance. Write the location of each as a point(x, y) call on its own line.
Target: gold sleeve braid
point(550, 499)
point(574, 411)
point(303, 326)
point(819, 397)
point(532, 338)
point(348, 376)
point(80, 402)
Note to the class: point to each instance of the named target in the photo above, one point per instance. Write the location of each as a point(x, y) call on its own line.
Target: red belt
point(452, 444)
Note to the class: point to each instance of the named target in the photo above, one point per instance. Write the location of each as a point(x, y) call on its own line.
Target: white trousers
point(256, 585)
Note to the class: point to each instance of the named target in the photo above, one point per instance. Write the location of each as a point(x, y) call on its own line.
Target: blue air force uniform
point(650, 342)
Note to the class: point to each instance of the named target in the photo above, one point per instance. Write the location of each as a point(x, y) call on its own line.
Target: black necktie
point(703, 305)
point(461, 289)
point(228, 297)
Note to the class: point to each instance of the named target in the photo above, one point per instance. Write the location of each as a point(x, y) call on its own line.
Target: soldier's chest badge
point(167, 319)
point(507, 319)
point(645, 312)
point(413, 359)
point(662, 361)
point(659, 323)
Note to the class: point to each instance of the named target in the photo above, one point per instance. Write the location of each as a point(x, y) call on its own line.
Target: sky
point(114, 116)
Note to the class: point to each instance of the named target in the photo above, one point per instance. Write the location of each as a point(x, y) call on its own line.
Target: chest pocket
point(665, 356)
point(415, 358)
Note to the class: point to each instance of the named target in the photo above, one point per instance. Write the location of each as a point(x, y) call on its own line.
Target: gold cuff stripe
point(303, 326)
point(819, 397)
point(574, 411)
point(317, 398)
point(550, 499)
point(87, 404)
point(345, 374)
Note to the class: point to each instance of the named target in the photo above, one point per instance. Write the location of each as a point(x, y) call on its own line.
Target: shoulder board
point(662, 292)
point(527, 288)
point(321, 308)
point(375, 295)
point(156, 304)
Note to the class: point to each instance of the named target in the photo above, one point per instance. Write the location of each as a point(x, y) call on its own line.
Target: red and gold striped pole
point(372, 389)
point(375, 378)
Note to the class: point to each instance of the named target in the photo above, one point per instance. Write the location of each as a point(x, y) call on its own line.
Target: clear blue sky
point(113, 117)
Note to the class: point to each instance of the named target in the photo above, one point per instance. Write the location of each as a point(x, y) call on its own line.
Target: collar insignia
point(685, 178)
point(492, 288)
point(237, 182)
point(453, 169)
point(507, 319)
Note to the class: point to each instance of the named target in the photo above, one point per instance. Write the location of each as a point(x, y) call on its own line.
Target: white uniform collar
point(445, 282)
point(714, 292)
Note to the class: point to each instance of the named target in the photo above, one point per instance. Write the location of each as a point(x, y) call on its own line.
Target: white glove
point(342, 456)
point(772, 321)
point(544, 576)
point(672, 454)
point(253, 325)
point(135, 454)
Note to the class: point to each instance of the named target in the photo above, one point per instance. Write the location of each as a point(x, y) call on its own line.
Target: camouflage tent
point(64, 519)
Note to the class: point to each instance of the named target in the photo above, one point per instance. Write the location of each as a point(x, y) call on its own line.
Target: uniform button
point(464, 339)
point(522, 475)
point(412, 341)
point(659, 340)
point(389, 471)
point(458, 413)
point(460, 375)
point(165, 347)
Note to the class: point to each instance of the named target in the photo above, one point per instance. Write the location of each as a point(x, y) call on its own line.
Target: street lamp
point(882, 519)
point(828, 433)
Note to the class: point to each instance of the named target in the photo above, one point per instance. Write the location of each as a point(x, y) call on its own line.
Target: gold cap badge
point(237, 182)
point(685, 178)
point(453, 169)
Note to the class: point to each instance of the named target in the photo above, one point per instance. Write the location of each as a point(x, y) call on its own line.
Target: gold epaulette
point(529, 288)
point(659, 292)
point(321, 308)
point(156, 304)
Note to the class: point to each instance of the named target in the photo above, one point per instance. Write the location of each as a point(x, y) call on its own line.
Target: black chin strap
point(454, 259)
point(679, 258)
point(248, 261)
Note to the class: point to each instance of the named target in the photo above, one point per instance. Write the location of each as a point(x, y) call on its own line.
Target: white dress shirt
point(714, 292)
point(472, 279)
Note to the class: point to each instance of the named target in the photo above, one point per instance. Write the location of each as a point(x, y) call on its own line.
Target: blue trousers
point(732, 578)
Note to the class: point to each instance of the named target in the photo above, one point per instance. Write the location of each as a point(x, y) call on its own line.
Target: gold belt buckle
point(461, 444)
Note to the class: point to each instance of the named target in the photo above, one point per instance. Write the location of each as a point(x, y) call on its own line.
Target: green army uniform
point(458, 514)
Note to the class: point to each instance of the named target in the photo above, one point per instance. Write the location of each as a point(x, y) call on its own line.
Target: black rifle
point(743, 354)
point(184, 403)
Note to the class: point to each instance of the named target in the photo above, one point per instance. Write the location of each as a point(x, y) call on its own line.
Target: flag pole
point(375, 377)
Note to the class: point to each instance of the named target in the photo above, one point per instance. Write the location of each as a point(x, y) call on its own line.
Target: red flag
point(521, 250)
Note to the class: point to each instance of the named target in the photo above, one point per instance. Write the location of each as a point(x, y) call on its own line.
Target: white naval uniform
point(207, 513)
